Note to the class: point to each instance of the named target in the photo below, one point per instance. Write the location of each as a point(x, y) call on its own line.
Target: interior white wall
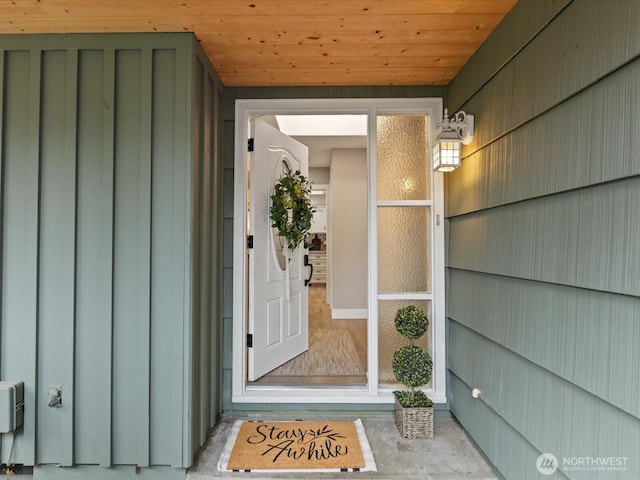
point(319, 176)
point(348, 230)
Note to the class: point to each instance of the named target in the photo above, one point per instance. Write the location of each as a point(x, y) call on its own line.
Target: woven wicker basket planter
point(414, 422)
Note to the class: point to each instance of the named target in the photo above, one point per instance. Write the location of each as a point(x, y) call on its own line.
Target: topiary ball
point(412, 365)
point(411, 322)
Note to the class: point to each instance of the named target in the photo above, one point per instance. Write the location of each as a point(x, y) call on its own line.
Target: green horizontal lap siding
point(579, 326)
point(562, 150)
point(499, 48)
point(227, 253)
point(550, 412)
point(585, 238)
point(508, 453)
point(97, 204)
point(582, 44)
point(542, 257)
point(226, 362)
point(330, 92)
point(227, 260)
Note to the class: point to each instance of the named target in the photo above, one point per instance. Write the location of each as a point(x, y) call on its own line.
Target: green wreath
point(291, 211)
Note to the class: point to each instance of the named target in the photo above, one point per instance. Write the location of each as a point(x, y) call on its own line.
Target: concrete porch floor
point(450, 455)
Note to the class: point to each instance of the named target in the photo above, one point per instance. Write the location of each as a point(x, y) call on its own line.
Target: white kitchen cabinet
point(319, 221)
point(319, 262)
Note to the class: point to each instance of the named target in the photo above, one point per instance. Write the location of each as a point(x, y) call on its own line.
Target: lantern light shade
point(446, 154)
point(447, 148)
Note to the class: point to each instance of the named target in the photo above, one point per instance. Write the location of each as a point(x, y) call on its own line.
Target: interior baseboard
point(349, 313)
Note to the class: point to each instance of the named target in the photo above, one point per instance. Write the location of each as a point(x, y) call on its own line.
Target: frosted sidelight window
point(402, 169)
point(389, 340)
point(404, 217)
point(404, 263)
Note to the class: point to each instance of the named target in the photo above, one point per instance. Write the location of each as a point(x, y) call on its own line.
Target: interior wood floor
point(320, 317)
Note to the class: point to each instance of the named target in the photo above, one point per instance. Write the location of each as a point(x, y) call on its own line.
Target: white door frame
point(371, 393)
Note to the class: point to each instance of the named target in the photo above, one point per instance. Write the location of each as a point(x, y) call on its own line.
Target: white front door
point(278, 323)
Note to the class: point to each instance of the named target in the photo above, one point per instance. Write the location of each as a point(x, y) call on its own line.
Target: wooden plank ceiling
point(291, 42)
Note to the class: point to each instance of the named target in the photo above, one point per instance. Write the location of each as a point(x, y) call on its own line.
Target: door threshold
point(312, 394)
point(308, 385)
point(318, 381)
point(326, 395)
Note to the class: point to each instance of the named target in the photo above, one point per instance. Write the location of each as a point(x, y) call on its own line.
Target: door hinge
point(250, 145)
point(249, 340)
point(249, 241)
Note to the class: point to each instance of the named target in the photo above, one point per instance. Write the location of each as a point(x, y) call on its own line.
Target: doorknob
point(307, 281)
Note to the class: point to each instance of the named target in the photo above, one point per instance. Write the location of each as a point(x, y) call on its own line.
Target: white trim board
point(349, 313)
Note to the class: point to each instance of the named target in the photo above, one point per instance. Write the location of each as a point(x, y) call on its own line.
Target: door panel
point(279, 325)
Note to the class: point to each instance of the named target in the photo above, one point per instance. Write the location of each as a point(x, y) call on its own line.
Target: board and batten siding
point(108, 199)
point(543, 260)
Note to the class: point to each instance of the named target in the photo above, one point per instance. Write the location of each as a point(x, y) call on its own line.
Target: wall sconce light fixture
point(448, 145)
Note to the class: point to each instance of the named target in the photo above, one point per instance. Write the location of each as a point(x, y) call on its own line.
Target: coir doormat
point(294, 446)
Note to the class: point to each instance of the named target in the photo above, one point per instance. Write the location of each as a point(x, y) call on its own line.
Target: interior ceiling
point(291, 42)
